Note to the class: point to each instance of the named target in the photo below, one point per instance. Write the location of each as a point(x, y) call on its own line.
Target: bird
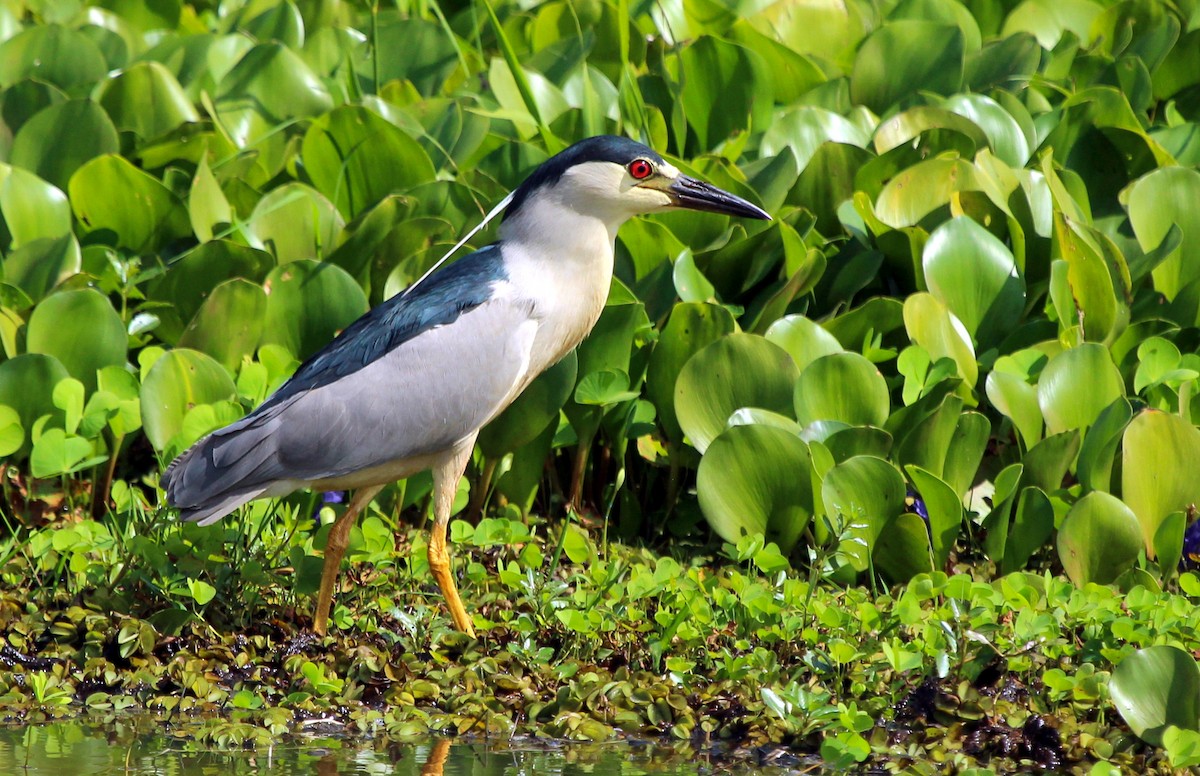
point(407, 387)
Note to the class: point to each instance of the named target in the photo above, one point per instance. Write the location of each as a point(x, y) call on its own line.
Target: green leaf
point(932, 326)
point(862, 496)
point(1158, 201)
point(756, 479)
point(903, 53)
point(1157, 476)
point(919, 190)
point(845, 387)
point(307, 304)
point(945, 512)
point(719, 73)
point(975, 276)
point(64, 57)
point(268, 86)
point(690, 283)
point(57, 452)
point(690, 327)
point(902, 551)
point(356, 158)
point(81, 329)
point(229, 325)
point(604, 388)
point(27, 386)
point(740, 370)
point(12, 436)
point(179, 381)
point(101, 192)
point(1155, 688)
point(1099, 539)
point(294, 222)
point(803, 339)
point(145, 99)
point(1076, 385)
point(32, 208)
point(1099, 448)
point(58, 140)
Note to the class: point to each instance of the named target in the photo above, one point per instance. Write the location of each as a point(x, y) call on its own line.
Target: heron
point(407, 387)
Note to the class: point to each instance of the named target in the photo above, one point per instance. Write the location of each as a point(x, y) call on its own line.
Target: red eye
point(640, 169)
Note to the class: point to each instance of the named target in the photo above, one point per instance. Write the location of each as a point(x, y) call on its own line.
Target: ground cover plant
point(906, 474)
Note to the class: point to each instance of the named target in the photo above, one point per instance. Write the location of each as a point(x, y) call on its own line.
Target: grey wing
point(417, 400)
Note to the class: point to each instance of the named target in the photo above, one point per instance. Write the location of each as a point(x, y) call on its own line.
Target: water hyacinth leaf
point(294, 222)
point(902, 551)
point(1099, 539)
point(945, 511)
point(178, 382)
point(926, 442)
point(847, 443)
point(905, 127)
point(95, 337)
point(1016, 400)
point(718, 72)
point(1158, 201)
point(1157, 472)
point(1032, 525)
point(229, 325)
point(861, 497)
point(1004, 134)
point(1076, 385)
point(308, 303)
point(756, 479)
point(932, 326)
point(740, 370)
point(919, 190)
point(690, 283)
point(603, 388)
point(282, 23)
point(102, 192)
point(1170, 541)
point(903, 53)
point(208, 208)
point(844, 387)
point(415, 50)
point(749, 416)
point(52, 53)
point(200, 421)
point(827, 181)
point(356, 158)
point(116, 381)
point(966, 451)
point(32, 209)
point(1156, 688)
point(145, 99)
point(531, 412)
point(12, 435)
point(38, 266)
point(1098, 278)
point(27, 386)
point(268, 86)
point(690, 328)
point(58, 140)
point(803, 339)
point(188, 281)
point(975, 276)
point(1099, 449)
point(804, 129)
point(1047, 463)
point(876, 317)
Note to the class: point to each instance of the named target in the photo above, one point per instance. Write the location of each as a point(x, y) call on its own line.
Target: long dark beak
point(697, 195)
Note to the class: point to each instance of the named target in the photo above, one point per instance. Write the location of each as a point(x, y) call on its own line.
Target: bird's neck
point(561, 262)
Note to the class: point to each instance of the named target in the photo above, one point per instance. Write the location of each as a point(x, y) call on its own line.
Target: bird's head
point(615, 178)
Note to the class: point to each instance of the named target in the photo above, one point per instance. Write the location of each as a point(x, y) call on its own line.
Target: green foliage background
point(980, 293)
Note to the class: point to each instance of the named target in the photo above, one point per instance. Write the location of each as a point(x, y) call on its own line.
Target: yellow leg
point(335, 548)
point(445, 484)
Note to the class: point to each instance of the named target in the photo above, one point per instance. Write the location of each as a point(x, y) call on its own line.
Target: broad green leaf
point(603, 388)
point(294, 222)
point(1004, 134)
point(935, 328)
point(1076, 385)
point(229, 325)
point(356, 158)
point(208, 208)
point(740, 370)
point(1099, 539)
point(975, 276)
point(1032, 526)
point(755, 479)
point(1099, 448)
point(1157, 476)
point(145, 99)
point(903, 53)
point(40, 265)
point(691, 327)
point(27, 386)
point(904, 128)
point(921, 189)
point(719, 73)
point(861, 497)
point(803, 339)
point(1098, 278)
point(307, 304)
point(415, 50)
point(945, 512)
point(32, 209)
point(845, 387)
point(1018, 401)
point(57, 452)
point(267, 86)
point(283, 23)
point(1048, 20)
point(1164, 198)
point(804, 129)
point(59, 140)
point(12, 436)
point(179, 381)
point(690, 283)
point(101, 192)
point(902, 551)
point(81, 330)
point(64, 57)
point(1156, 688)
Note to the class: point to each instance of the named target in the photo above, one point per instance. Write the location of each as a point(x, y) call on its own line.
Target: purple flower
point(328, 497)
point(1191, 547)
point(915, 504)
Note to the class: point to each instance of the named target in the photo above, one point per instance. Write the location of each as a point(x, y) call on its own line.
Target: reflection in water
point(141, 746)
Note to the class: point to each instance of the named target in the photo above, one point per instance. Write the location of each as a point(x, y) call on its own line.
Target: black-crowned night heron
point(408, 386)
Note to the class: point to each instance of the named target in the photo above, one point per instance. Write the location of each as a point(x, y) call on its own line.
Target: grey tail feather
point(224, 470)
